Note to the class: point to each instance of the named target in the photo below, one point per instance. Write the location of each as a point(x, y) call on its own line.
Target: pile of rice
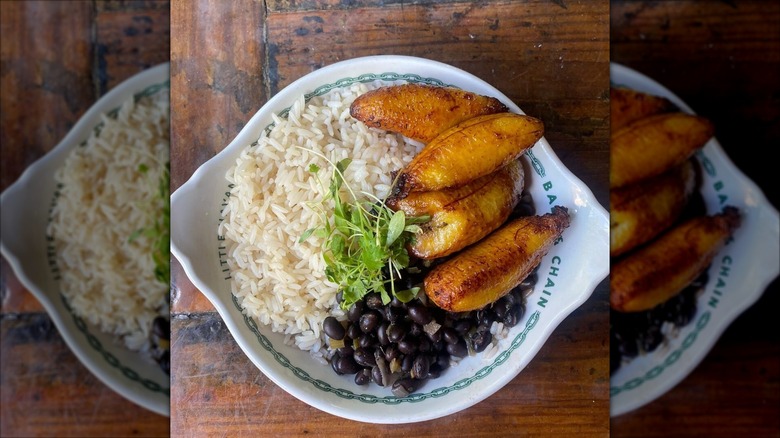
point(278, 280)
point(104, 198)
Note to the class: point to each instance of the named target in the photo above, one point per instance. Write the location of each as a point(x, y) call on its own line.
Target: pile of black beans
point(402, 345)
point(640, 332)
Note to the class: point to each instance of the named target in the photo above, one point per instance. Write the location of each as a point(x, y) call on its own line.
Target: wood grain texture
point(43, 99)
point(56, 60)
point(550, 57)
point(217, 391)
point(46, 391)
point(217, 60)
point(723, 59)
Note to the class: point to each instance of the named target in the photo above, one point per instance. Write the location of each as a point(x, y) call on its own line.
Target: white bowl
point(25, 215)
point(737, 278)
point(581, 262)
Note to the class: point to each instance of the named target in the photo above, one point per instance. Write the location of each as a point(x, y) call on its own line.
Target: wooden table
point(229, 58)
point(723, 59)
point(57, 59)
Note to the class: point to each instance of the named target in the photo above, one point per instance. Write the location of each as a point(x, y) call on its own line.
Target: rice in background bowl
point(108, 192)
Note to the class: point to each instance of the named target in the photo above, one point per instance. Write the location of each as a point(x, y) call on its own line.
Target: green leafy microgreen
point(364, 241)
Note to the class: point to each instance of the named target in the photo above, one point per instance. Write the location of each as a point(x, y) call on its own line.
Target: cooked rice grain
point(108, 280)
point(278, 280)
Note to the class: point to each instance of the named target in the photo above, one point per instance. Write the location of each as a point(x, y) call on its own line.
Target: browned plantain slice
point(421, 112)
point(462, 216)
point(628, 106)
point(469, 150)
point(664, 267)
point(488, 270)
point(651, 146)
point(641, 211)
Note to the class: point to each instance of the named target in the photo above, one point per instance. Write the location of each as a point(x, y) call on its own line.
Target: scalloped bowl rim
point(664, 368)
point(35, 275)
point(186, 217)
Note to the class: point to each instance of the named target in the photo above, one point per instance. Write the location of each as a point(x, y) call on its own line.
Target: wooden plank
point(46, 391)
point(186, 298)
point(547, 59)
point(129, 41)
point(216, 390)
point(15, 298)
point(216, 78)
point(41, 100)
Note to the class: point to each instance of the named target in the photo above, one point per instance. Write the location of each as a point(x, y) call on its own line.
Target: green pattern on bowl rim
point(461, 384)
point(51, 255)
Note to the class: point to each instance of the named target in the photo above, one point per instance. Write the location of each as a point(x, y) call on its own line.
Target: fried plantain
point(641, 211)
point(653, 145)
point(664, 267)
point(464, 215)
point(488, 270)
point(467, 151)
point(628, 106)
point(421, 112)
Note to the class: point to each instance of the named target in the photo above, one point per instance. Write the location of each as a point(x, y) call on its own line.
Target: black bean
point(363, 377)
point(501, 308)
point(340, 296)
point(367, 340)
point(347, 365)
point(395, 314)
point(334, 361)
point(355, 311)
point(391, 353)
point(443, 360)
point(395, 332)
point(420, 367)
point(376, 376)
point(524, 209)
point(459, 349)
point(408, 345)
point(364, 357)
point(463, 325)
point(333, 328)
point(374, 301)
point(529, 281)
point(439, 345)
point(404, 387)
point(370, 321)
point(424, 344)
point(514, 315)
point(381, 334)
point(481, 338)
point(652, 339)
point(395, 302)
point(346, 350)
point(434, 371)
point(687, 312)
point(419, 313)
point(485, 317)
point(353, 331)
point(407, 363)
point(627, 346)
point(450, 335)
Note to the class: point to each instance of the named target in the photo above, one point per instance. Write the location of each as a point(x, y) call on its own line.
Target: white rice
point(279, 281)
point(108, 280)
